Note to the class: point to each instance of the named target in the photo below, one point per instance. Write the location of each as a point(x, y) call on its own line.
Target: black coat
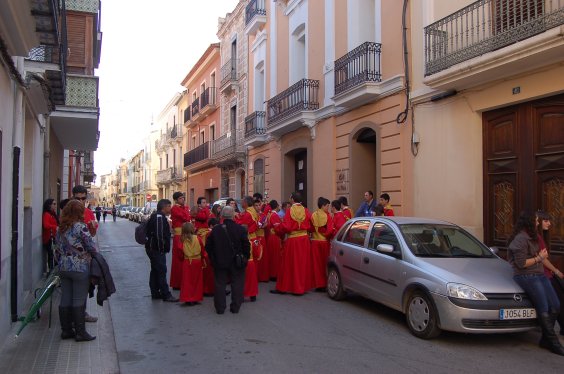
point(218, 244)
point(101, 277)
point(158, 233)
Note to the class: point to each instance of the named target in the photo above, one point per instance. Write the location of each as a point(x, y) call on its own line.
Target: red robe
point(273, 244)
point(178, 214)
point(322, 231)
point(249, 218)
point(201, 223)
point(339, 220)
point(348, 213)
point(295, 274)
point(263, 269)
point(191, 289)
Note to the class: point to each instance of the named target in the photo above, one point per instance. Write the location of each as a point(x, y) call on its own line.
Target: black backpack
point(141, 233)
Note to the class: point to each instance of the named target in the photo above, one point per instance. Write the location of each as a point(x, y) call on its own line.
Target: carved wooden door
point(524, 167)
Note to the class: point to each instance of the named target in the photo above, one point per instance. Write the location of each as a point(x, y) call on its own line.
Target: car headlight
point(462, 291)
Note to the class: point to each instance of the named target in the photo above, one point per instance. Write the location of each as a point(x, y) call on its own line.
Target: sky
point(148, 47)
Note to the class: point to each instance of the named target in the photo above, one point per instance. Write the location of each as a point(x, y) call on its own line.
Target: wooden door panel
point(503, 195)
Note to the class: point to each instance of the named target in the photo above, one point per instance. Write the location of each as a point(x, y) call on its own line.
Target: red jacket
point(50, 226)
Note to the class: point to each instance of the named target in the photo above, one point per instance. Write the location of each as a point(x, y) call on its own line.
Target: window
point(233, 117)
point(212, 80)
point(202, 137)
point(193, 141)
point(357, 233)
point(212, 132)
point(382, 234)
point(258, 182)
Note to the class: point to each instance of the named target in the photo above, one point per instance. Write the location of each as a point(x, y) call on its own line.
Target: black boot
point(79, 325)
point(65, 316)
point(549, 340)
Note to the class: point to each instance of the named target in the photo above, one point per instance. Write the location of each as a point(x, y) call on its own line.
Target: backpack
point(141, 233)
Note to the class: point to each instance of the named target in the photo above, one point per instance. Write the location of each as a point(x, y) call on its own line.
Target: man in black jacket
point(156, 247)
point(224, 242)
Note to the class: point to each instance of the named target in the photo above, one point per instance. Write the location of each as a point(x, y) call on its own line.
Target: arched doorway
point(364, 168)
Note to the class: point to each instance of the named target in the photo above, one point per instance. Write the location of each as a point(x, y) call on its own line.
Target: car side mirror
point(385, 248)
point(495, 250)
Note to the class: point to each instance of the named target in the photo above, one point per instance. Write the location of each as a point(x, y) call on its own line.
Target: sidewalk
point(39, 349)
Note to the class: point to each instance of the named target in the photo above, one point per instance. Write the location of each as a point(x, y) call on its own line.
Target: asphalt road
point(288, 334)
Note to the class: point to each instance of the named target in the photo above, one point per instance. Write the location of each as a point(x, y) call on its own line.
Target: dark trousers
point(237, 277)
point(157, 277)
point(48, 249)
point(74, 286)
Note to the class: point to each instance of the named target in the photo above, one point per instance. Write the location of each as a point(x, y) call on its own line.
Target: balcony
point(175, 135)
point(255, 16)
point(76, 123)
point(229, 75)
point(255, 129)
point(169, 175)
point(198, 158)
point(195, 109)
point(229, 148)
point(292, 108)
point(208, 101)
point(187, 116)
point(492, 39)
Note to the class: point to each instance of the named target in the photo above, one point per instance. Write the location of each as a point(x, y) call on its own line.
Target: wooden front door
point(524, 168)
point(301, 174)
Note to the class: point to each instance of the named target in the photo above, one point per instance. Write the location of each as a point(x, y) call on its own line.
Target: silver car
point(436, 273)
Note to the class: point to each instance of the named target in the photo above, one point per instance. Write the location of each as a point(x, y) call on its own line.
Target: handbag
point(239, 259)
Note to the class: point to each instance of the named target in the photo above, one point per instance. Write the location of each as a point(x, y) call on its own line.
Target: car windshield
point(430, 240)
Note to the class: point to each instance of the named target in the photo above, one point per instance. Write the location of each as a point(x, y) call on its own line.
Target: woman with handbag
point(554, 275)
point(73, 255)
point(50, 225)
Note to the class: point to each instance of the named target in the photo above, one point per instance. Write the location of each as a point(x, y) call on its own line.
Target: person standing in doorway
point(157, 246)
point(179, 215)
point(365, 209)
point(50, 224)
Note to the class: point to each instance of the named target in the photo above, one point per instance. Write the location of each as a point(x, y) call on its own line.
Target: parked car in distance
point(131, 214)
point(223, 200)
point(437, 274)
point(123, 210)
point(149, 208)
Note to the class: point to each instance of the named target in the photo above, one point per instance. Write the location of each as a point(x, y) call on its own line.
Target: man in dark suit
point(157, 246)
point(224, 242)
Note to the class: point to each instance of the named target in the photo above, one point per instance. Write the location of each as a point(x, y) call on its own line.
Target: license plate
point(525, 313)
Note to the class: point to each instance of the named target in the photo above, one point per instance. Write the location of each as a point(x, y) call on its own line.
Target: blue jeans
point(74, 286)
point(540, 291)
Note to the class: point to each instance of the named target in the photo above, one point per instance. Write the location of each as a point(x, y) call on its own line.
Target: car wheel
point(421, 316)
point(335, 288)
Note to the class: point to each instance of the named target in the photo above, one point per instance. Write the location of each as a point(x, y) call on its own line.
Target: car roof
point(408, 220)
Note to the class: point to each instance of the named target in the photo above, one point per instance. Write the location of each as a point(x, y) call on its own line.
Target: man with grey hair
point(226, 241)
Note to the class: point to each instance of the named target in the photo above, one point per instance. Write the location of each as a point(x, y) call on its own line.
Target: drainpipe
point(46, 160)
point(17, 134)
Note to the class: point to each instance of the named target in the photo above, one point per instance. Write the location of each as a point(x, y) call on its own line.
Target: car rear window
point(356, 234)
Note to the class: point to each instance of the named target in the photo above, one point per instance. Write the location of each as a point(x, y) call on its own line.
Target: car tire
point(421, 315)
point(335, 289)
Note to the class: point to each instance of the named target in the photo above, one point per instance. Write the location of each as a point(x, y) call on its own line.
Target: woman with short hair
point(75, 245)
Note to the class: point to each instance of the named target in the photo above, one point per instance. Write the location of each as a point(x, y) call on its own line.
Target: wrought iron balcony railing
point(174, 133)
point(197, 154)
point(485, 26)
point(229, 71)
point(187, 114)
point(195, 106)
point(301, 96)
point(228, 144)
point(168, 175)
point(208, 97)
point(359, 66)
point(254, 8)
point(255, 124)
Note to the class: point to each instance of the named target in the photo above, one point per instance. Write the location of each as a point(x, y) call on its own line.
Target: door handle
point(341, 252)
point(366, 260)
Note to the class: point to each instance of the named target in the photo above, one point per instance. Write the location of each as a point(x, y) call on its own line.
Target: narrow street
point(283, 334)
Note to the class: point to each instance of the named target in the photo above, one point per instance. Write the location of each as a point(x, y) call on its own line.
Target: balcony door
point(524, 167)
point(510, 14)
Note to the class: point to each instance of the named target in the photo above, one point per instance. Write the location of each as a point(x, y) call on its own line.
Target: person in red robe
point(192, 287)
point(339, 218)
point(322, 225)
point(295, 272)
point(345, 208)
point(262, 263)
point(209, 280)
point(179, 215)
point(249, 218)
point(273, 240)
point(201, 218)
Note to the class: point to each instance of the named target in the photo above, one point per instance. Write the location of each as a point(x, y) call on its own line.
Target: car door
point(348, 252)
point(381, 272)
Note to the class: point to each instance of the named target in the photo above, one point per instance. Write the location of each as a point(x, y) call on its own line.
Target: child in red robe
point(192, 286)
